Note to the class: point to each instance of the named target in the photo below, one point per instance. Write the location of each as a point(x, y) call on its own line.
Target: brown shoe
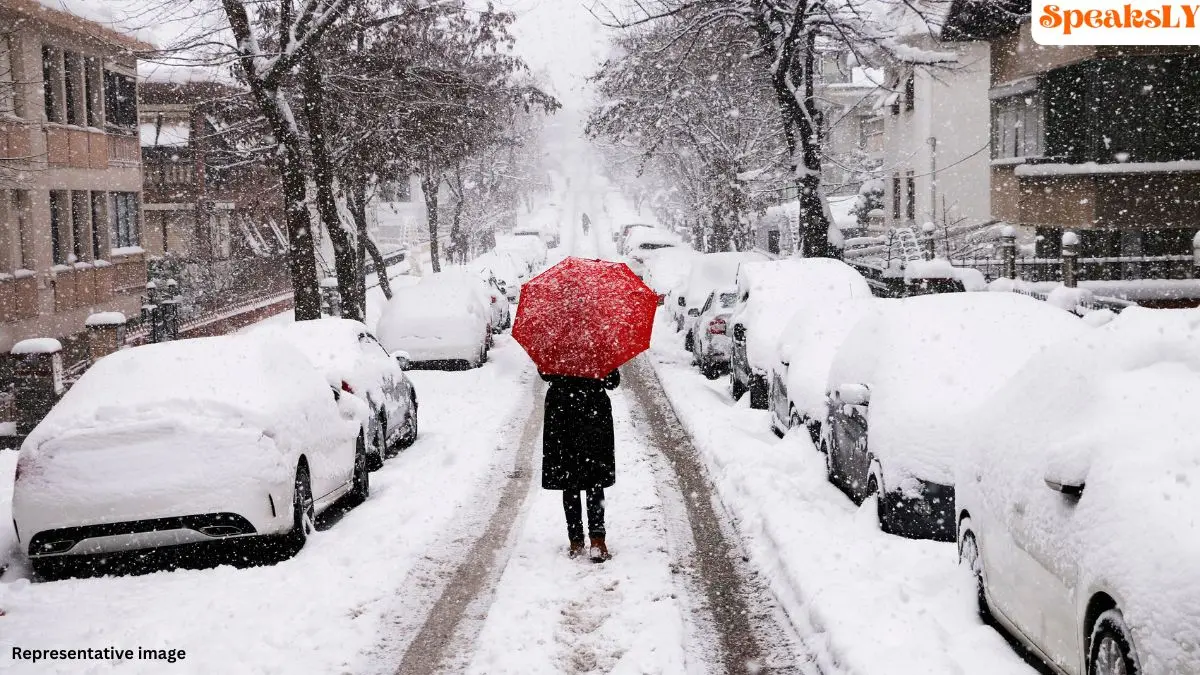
point(576, 549)
point(598, 552)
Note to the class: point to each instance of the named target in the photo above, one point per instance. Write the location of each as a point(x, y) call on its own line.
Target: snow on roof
point(1090, 168)
point(232, 381)
point(68, 14)
point(646, 235)
point(712, 271)
point(667, 268)
point(931, 359)
point(166, 136)
point(105, 319)
point(1115, 409)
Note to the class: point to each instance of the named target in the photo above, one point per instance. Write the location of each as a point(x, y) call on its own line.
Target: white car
point(1076, 501)
point(621, 233)
point(440, 322)
point(355, 362)
point(528, 248)
point(908, 372)
point(667, 268)
point(502, 270)
point(710, 273)
point(643, 242)
point(489, 295)
point(210, 439)
point(768, 294)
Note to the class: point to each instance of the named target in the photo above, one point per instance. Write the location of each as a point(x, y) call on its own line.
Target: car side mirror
point(1069, 483)
point(854, 394)
point(402, 359)
point(1069, 489)
point(682, 301)
point(693, 312)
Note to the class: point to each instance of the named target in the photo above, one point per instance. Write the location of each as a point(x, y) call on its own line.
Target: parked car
point(502, 270)
point(710, 272)
point(768, 293)
point(643, 242)
point(1076, 499)
point(203, 440)
point(796, 394)
point(711, 343)
point(622, 232)
point(489, 295)
point(667, 268)
point(529, 249)
point(439, 322)
point(354, 361)
point(909, 369)
point(548, 235)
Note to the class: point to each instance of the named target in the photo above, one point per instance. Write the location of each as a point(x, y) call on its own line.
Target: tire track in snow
point(751, 636)
point(473, 580)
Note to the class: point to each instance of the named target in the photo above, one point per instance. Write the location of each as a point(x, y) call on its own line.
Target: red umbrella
point(584, 317)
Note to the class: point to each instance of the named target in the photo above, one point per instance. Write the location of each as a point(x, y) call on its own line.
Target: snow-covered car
point(355, 362)
point(623, 231)
point(710, 273)
point(502, 270)
point(1077, 497)
point(527, 247)
point(641, 243)
point(493, 299)
point(796, 390)
point(667, 268)
point(440, 323)
point(768, 294)
point(711, 343)
point(210, 439)
point(906, 371)
point(548, 235)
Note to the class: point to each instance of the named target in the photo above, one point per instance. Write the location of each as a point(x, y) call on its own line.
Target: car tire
point(303, 510)
point(1110, 651)
point(882, 514)
point(709, 370)
point(758, 393)
point(410, 424)
point(971, 557)
point(689, 341)
point(361, 479)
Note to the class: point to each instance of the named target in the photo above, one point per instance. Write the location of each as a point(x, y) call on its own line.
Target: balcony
point(84, 285)
point(18, 297)
point(76, 148)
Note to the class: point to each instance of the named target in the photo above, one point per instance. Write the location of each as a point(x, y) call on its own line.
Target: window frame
point(1019, 126)
point(124, 220)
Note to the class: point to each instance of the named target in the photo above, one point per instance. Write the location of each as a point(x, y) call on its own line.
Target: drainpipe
point(932, 140)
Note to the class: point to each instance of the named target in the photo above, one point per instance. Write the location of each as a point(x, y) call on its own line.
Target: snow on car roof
point(254, 381)
point(711, 271)
point(666, 268)
point(651, 236)
point(777, 288)
point(809, 344)
point(1115, 410)
point(330, 343)
point(932, 358)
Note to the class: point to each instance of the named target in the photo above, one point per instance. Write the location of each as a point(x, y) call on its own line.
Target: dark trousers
point(595, 513)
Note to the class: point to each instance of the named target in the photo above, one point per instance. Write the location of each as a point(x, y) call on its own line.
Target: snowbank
point(1114, 409)
point(929, 360)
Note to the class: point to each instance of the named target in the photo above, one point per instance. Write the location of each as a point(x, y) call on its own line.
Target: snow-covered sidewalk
point(322, 611)
point(551, 614)
point(866, 603)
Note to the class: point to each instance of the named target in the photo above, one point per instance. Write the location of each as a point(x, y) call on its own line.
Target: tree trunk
point(457, 238)
point(385, 284)
point(357, 203)
point(344, 255)
point(429, 185)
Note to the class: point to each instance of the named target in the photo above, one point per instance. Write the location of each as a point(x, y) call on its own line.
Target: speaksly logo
point(1097, 22)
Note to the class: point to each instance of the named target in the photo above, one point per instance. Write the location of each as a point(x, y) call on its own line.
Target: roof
point(50, 13)
point(983, 19)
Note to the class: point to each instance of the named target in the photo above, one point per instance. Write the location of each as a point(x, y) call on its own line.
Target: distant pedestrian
point(586, 223)
point(577, 453)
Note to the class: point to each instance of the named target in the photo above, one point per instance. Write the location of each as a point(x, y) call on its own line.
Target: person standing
point(578, 454)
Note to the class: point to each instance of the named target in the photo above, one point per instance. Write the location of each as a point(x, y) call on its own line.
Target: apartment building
point(71, 239)
point(935, 120)
point(1099, 140)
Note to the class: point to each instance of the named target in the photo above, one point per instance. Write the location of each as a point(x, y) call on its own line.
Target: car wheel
point(410, 424)
point(303, 513)
point(970, 557)
point(709, 370)
point(881, 510)
point(361, 482)
point(689, 341)
point(1111, 647)
point(829, 472)
point(758, 393)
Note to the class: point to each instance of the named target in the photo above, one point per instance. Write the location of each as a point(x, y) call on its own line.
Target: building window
point(92, 92)
point(123, 220)
point(1017, 130)
point(81, 237)
point(910, 92)
point(8, 88)
point(120, 100)
point(73, 99)
point(60, 235)
point(896, 192)
point(98, 220)
point(51, 68)
point(773, 242)
point(18, 214)
point(910, 197)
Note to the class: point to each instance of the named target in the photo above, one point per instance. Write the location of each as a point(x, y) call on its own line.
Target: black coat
point(577, 437)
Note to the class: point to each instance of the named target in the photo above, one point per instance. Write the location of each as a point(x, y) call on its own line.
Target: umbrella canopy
point(584, 317)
